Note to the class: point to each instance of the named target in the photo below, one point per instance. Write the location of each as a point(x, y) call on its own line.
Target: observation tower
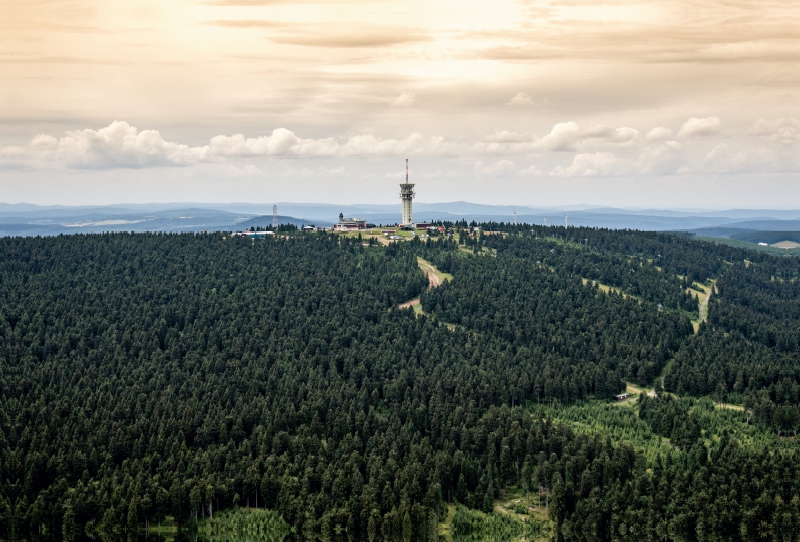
point(406, 195)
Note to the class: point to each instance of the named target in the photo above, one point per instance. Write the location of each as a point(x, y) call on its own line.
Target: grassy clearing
point(244, 525)
point(786, 245)
point(752, 246)
point(511, 521)
point(428, 267)
point(621, 423)
point(607, 289)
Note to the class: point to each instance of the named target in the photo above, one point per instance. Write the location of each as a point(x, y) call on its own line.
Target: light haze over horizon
point(647, 104)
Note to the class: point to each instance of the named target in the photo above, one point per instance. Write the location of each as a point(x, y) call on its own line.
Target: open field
point(786, 245)
point(752, 246)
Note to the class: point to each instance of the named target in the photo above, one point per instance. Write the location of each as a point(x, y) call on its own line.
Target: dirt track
point(704, 304)
point(412, 303)
point(433, 280)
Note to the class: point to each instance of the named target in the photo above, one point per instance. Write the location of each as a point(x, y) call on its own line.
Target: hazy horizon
point(510, 206)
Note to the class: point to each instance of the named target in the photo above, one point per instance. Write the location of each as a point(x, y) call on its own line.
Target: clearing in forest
point(435, 278)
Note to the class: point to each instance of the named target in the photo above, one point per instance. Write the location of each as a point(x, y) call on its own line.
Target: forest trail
point(435, 278)
point(704, 304)
point(633, 389)
point(410, 303)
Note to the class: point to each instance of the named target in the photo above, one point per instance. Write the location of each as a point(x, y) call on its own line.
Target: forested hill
point(145, 376)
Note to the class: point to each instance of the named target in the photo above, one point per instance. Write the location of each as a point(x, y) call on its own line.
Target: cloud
point(522, 100)
point(285, 142)
point(531, 171)
point(599, 164)
point(664, 159)
point(562, 137)
point(404, 100)
point(567, 136)
point(620, 136)
point(720, 159)
point(117, 145)
point(781, 130)
point(695, 127)
point(498, 169)
point(505, 136)
point(350, 36)
point(120, 145)
point(658, 133)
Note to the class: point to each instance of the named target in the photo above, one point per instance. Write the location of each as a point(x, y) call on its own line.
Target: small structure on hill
point(349, 224)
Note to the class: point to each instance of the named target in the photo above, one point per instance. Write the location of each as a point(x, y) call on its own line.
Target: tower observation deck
point(406, 195)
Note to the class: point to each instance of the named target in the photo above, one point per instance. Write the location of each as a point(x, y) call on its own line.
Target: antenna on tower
point(565, 221)
point(274, 216)
point(406, 195)
point(515, 217)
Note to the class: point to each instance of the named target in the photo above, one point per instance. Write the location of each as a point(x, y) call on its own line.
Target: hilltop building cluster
point(350, 224)
point(407, 222)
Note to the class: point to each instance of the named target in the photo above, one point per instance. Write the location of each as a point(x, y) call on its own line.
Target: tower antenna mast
point(274, 216)
point(406, 195)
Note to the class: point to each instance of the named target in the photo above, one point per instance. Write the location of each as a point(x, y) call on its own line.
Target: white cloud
point(720, 159)
point(498, 169)
point(664, 159)
point(531, 171)
point(658, 133)
point(696, 127)
point(782, 130)
point(117, 145)
point(618, 136)
point(599, 164)
point(122, 145)
point(562, 137)
point(522, 100)
point(504, 136)
point(404, 100)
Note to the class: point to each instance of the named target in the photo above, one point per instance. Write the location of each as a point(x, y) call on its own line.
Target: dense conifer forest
point(149, 378)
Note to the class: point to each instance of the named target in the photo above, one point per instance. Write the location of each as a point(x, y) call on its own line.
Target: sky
point(640, 103)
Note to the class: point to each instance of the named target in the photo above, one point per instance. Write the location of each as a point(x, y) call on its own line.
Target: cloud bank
point(567, 150)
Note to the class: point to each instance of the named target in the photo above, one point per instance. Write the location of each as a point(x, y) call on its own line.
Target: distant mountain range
point(30, 220)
